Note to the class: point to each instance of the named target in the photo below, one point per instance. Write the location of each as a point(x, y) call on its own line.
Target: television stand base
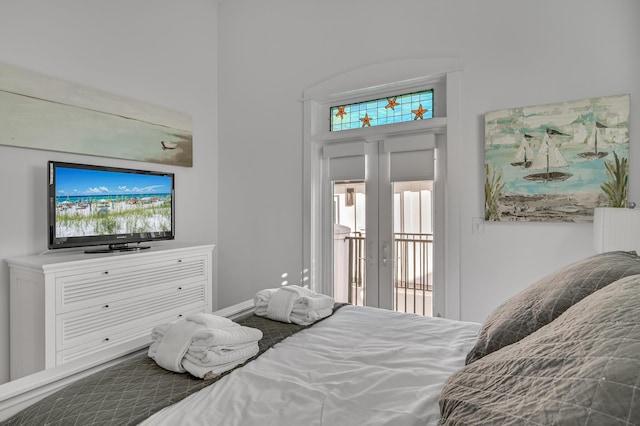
point(117, 247)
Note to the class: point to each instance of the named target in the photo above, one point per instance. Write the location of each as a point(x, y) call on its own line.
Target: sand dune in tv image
point(135, 213)
point(40, 112)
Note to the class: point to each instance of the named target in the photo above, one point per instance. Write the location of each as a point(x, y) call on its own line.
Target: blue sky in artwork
point(87, 182)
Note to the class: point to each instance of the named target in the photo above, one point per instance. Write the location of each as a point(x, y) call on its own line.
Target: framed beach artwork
point(41, 112)
point(557, 162)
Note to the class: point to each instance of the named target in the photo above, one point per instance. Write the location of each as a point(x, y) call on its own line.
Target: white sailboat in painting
point(548, 157)
point(594, 138)
point(525, 153)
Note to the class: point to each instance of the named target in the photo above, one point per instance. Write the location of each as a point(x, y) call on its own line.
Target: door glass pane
point(349, 257)
point(413, 247)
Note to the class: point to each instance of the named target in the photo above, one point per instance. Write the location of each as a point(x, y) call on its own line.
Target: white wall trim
point(237, 310)
point(375, 80)
point(393, 75)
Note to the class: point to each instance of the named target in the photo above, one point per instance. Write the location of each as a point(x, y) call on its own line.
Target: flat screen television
point(90, 205)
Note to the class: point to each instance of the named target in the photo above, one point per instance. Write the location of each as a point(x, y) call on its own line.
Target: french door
point(379, 216)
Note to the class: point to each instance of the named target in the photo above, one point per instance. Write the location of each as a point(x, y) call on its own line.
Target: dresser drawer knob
point(106, 339)
point(179, 315)
point(106, 306)
point(106, 272)
point(179, 288)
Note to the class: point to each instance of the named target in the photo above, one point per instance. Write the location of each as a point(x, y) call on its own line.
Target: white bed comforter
point(361, 366)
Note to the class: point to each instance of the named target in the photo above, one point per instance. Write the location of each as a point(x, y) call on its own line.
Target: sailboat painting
point(556, 162)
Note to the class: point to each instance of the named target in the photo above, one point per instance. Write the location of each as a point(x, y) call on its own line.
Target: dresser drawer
point(123, 342)
point(100, 323)
point(98, 287)
point(71, 304)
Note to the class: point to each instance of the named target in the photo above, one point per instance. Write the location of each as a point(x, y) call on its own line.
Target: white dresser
point(64, 306)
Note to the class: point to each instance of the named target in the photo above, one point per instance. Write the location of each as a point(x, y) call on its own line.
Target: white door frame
point(444, 74)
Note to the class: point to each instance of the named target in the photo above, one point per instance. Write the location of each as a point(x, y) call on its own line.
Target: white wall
point(515, 53)
point(159, 51)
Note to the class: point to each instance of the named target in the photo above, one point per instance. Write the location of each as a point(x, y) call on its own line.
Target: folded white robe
point(169, 351)
point(298, 316)
point(307, 299)
point(209, 364)
point(294, 304)
point(211, 339)
point(202, 343)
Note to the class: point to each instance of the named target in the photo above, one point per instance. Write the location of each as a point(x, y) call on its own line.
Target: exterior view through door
point(412, 244)
point(369, 135)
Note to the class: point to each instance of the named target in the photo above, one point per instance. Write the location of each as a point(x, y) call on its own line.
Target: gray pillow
point(581, 369)
point(545, 300)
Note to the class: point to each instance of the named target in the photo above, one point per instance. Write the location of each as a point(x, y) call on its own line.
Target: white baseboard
point(237, 310)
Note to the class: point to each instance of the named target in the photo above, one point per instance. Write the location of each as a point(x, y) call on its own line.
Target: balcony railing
point(412, 271)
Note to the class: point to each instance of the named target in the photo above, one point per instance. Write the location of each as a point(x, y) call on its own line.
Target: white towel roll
point(307, 308)
point(191, 344)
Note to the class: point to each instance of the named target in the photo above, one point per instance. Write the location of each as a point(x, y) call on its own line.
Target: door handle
point(384, 252)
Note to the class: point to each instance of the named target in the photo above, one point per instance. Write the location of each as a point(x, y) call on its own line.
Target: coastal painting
point(41, 112)
point(557, 162)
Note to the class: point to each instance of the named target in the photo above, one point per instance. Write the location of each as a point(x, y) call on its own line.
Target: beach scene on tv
point(97, 202)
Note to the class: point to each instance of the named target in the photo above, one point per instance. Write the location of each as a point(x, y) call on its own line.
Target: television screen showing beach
point(97, 202)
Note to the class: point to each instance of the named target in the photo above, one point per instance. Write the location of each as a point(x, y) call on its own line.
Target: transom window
point(378, 112)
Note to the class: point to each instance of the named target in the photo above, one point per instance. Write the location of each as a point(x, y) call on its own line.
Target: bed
point(564, 351)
